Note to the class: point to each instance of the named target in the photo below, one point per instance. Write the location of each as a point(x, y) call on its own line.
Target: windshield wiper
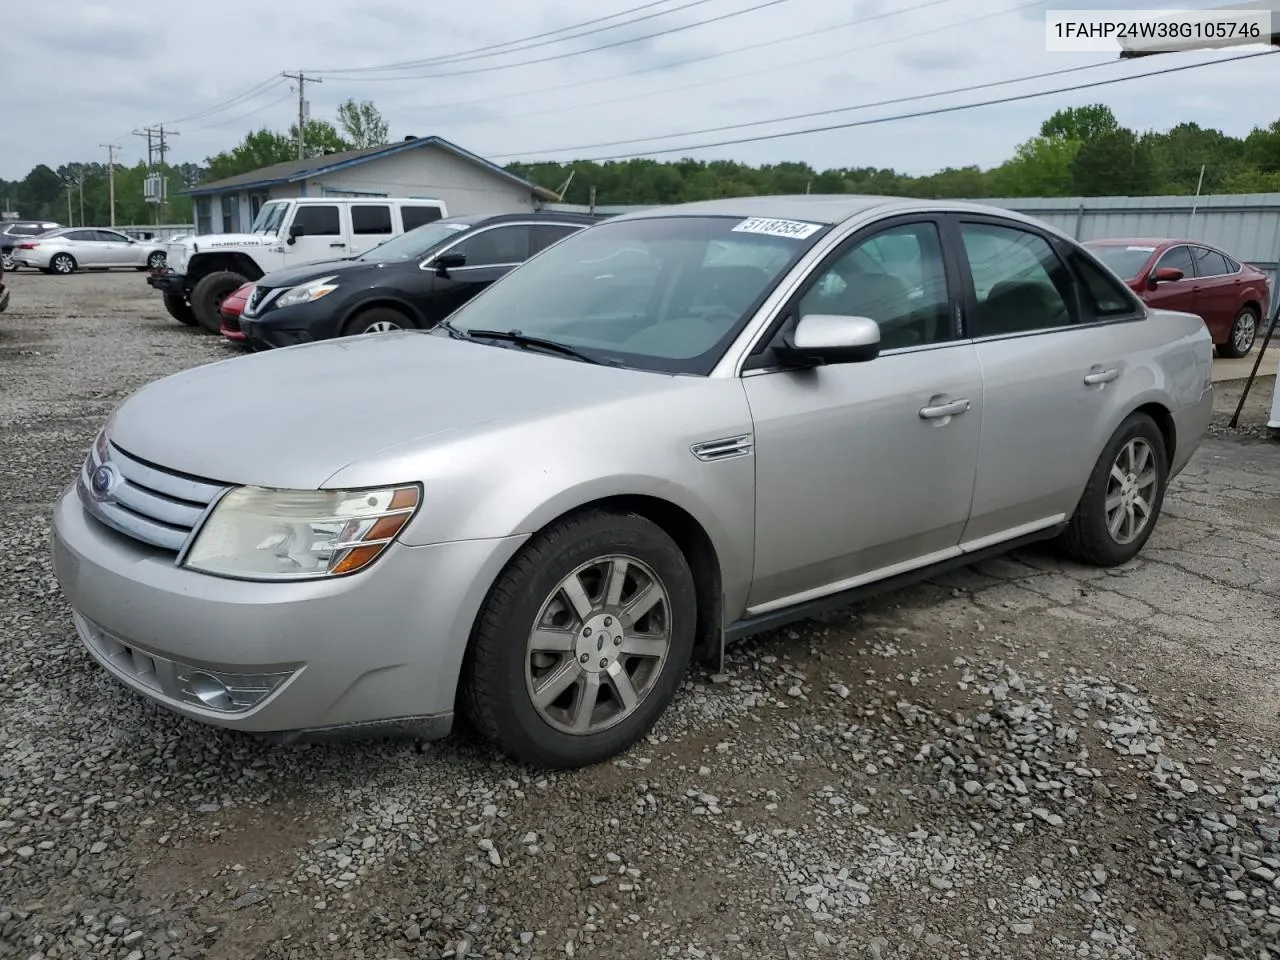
point(523, 340)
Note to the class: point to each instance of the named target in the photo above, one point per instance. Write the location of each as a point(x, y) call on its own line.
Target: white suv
point(201, 271)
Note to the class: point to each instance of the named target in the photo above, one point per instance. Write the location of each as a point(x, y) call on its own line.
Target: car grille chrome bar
point(149, 504)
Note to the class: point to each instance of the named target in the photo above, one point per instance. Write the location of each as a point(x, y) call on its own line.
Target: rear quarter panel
point(1167, 360)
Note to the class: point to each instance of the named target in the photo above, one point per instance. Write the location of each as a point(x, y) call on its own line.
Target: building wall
point(429, 173)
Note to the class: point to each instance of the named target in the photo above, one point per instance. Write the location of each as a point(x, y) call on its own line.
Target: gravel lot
point(1024, 759)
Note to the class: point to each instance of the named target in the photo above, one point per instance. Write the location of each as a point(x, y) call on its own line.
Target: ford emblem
point(104, 480)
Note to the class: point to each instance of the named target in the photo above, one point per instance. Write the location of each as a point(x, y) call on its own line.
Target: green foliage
point(362, 124)
point(1080, 123)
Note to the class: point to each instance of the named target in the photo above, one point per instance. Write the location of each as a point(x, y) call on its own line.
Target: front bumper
point(166, 281)
point(375, 653)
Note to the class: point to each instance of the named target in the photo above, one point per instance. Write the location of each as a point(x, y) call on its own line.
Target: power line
point(111, 149)
point(889, 41)
point(242, 116)
point(514, 46)
point(302, 109)
point(878, 120)
point(227, 104)
point(833, 110)
point(573, 53)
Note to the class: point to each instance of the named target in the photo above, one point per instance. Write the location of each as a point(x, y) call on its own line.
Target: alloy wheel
point(1131, 490)
point(1246, 329)
point(598, 645)
point(382, 326)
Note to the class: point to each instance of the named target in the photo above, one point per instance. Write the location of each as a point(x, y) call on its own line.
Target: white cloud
point(97, 72)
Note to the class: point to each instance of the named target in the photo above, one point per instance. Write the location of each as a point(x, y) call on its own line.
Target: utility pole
point(111, 176)
point(71, 221)
point(80, 183)
point(146, 132)
point(164, 174)
point(302, 108)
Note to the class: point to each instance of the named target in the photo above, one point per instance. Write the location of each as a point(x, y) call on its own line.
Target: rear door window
point(416, 214)
point(370, 219)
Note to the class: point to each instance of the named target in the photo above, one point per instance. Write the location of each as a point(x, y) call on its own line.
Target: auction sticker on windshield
point(796, 229)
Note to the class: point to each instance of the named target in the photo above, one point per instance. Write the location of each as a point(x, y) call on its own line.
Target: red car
point(1231, 297)
point(231, 309)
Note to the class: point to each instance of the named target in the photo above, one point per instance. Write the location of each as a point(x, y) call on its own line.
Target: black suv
point(13, 232)
point(414, 280)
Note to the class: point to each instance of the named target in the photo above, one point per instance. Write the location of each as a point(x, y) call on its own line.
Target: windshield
point(1126, 261)
point(270, 217)
point(662, 293)
point(414, 243)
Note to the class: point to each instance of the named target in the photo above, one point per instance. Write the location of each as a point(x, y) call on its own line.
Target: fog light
point(228, 692)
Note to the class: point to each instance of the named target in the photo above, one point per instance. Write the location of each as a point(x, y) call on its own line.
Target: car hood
point(294, 417)
point(292, 276)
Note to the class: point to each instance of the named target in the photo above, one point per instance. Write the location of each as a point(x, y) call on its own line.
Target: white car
point(76, 248)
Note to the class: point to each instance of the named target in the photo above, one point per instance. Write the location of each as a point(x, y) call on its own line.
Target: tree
point(1080, 123)
point(1041, 167)
point(1113, 164)
point(322, 137)
point(362, 123)
point(260, 148)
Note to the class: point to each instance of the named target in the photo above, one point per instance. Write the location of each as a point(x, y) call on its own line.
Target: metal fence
point(153, 231)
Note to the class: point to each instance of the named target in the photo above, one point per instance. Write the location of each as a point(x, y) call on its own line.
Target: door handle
point(952, 409)
point(337, 244)
point(1101, 376)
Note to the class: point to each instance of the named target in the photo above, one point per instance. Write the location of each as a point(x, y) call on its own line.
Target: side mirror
point(297, 230)
point(448, 261)
point(821, 339)
point(1164, 275)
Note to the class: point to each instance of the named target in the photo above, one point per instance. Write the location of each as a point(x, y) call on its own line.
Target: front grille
point(149, 504)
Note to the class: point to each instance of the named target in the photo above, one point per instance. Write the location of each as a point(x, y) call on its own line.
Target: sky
point(101, 70)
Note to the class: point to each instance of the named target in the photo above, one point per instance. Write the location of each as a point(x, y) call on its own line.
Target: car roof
point(826, 209)
point(1145, 242)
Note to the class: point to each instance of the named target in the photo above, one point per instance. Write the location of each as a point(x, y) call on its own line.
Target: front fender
point(382, 298)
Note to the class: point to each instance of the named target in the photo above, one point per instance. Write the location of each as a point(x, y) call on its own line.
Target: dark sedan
point(414, 280)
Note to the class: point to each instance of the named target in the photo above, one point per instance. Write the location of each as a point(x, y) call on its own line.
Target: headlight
point(306, 292)
point(260, 534)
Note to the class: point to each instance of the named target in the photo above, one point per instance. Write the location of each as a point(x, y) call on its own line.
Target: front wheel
point(155, 261)
point(7, 263)
point(179, 309)
point(1118, 511)
point(583, 641)
point(1243, 333)
point(208, 294)
point(377, 320)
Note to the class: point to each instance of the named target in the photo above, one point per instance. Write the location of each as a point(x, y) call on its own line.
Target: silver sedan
point(673, 429)
point(77, 248)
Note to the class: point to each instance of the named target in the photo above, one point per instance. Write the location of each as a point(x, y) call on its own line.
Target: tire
point(155, 261)
point(62, 264)
point(502, 667)
point(382, 318)
point(1088, 537)
point(179, 309)
point(210, 290)
point(1244, 332)
point(7, 264)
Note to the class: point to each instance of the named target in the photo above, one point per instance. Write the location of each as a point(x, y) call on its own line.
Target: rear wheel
point(62, 263)
point(156, 260)
point(1243, 333)
point(179, 309)
point(208, 294)
point(7, 263)
point(377, 320)
point(582, 642)
point(1121, 503)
